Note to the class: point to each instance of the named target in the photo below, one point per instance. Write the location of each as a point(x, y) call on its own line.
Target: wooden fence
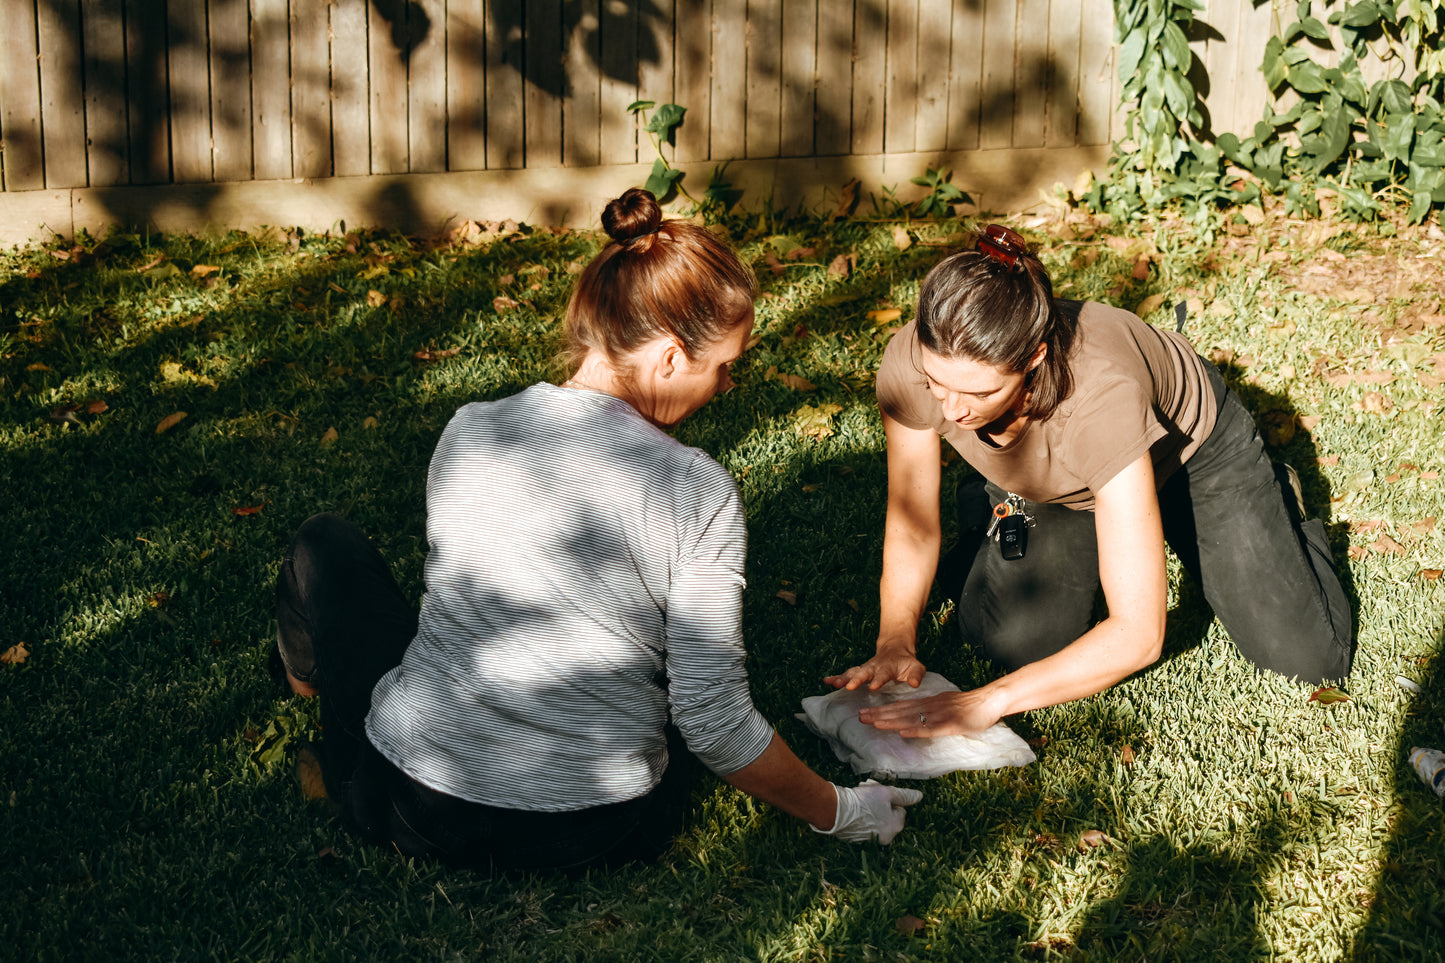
point(182, 113)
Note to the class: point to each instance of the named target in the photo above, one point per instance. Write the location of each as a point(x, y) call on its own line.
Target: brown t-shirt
point(1136, 389)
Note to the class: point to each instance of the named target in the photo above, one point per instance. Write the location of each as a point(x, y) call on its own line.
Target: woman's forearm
point(910, 559)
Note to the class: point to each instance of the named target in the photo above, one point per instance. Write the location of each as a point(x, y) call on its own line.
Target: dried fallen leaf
point(95, 407)
point(330, 437)
point(796, 382)
point(428, 355)
point(1424, 526)
point(909, 925)
point(884, 316)
point(370, 422)
point(1149, 305)
point(1387, 544)
point(308, 773)
point(901, 239)
point(152, 262)
point(503, 303)
point(1278, 428)
point(65, 413)
point(842, 265)
point(1092, 839)
point(1328, 696)
point(801, 253)
point(817, 423)
point(249, 509)
point(375, 298)
point(1431, 574)
point(204, 270)
point(790, 597)
point(847, 199)
point(1126, 755)
point(1141, 268)
point(38, 366)
point(774, 265)
point(15, 655)
point(1375, 403)
point(170, 421)
point(1328, 459)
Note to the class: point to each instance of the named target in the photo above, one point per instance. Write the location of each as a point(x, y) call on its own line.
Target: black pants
point(341, 624)
point(1267, 574)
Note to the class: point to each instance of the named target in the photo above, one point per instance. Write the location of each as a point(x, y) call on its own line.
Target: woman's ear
point(1039, 354)
point(670, 358)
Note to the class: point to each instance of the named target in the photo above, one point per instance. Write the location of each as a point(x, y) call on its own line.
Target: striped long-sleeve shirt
point(584, 575)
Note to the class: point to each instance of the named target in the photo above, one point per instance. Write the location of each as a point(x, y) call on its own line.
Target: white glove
point(872, 810)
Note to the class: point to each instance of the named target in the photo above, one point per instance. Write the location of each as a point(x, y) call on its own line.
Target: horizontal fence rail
point(104, 94)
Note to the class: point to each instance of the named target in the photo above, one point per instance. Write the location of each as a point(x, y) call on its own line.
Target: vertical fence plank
point(657, 67)
point(729, 80)
point(466, 85)
point(230, 68)
point(147, 91)
point(426, 86)
point(1256, 27)
point(997, 114)
point(61, 96)
point(187, 43)
point(900, 116)
point(1062, 128)
point(1031, 73)
point(764, 77)
point(311, 88)
point(799, 68)
point(1096, 72)
point(834, 118)
point(271, 88)
point(106, 141)
point(387, 47)
point(350, 89)
point(581, 66)
point(23, 156)
point(965, 78)
point(623, 30)
point(506, 136)
point(870, 76)
point(545, 81)
point(692, 39)
point(1216, 58)
point(935, 21)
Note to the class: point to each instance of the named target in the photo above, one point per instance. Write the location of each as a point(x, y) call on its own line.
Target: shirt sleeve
point(903, 395)
point(707, 676)
point(1110, 430)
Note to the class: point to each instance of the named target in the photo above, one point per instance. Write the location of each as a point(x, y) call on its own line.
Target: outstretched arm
point(912, 537)
point(1132, 572)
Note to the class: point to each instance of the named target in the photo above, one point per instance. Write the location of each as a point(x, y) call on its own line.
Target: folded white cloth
point(886, 753)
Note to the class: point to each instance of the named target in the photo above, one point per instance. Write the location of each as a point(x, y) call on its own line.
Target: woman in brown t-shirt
point(1103, 436)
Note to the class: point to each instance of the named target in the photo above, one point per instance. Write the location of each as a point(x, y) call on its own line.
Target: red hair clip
point(1002, 244)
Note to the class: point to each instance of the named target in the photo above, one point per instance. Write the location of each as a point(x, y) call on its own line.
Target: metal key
point(1000, 511)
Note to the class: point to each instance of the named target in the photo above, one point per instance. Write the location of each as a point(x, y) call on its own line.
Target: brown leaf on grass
point(795, 382)
point(38, 366)
point(503, 303)
point(1375, 403)
point(817, 423)
point(170, 421)
point(1424, 526)
point(1385, 544)
point(204, 270)
point(330, 437)
point(787, 596)
point(370, 422)
point(1092, 839)
point(1278, 428)
point(375, 298)
point(15, 655)
point(1328, 459)
point(151, 263)
point(308, 773)
point(801, 253)
point(1341, 378)
point(1126, 755)
point(430, 355)
point(1141, 268)
point(64, 414)
point(901, 238)
point(1429, 475)
point(249, 509)
point(1308, 422)
point(1355, 552)
point(1430, 574)
point(327, 852)
point(1366, 525)
point(847, 199)
point(884, 316)
point(1328, 696)
point(1038, 742)
point(1390, 479)
point(1149, 305)
point(96, 407)
point(774, 265)
point(843, 265)
point(909, 925)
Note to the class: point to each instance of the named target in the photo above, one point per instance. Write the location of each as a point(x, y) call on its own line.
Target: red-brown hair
point(655, 278)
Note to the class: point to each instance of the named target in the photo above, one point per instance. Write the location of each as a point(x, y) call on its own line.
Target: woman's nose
point(954, 408)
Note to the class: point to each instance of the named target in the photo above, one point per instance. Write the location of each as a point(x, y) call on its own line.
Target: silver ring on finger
point(922, 719)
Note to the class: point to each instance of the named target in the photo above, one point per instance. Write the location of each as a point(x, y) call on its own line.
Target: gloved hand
point(870, 810)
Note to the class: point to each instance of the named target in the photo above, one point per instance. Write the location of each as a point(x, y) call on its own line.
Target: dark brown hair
point(655, 278)
point(997, 310)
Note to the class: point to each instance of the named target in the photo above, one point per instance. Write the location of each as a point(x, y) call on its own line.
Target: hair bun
point(633, 215)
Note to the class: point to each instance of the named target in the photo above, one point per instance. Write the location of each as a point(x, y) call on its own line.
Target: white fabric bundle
point(886, 753)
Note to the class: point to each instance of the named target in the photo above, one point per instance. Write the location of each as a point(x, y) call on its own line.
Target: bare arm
point(780, 778)
point(1132, 572)
point(912, 537)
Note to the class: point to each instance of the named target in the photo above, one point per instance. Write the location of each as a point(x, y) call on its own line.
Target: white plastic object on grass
point(885, 753)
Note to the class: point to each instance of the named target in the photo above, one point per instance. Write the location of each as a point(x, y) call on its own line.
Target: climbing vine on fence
point(1371, 142)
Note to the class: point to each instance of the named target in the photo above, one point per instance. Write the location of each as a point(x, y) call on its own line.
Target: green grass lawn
point(146, 759)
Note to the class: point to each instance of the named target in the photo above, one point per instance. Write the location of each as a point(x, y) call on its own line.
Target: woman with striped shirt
point(583, 585)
